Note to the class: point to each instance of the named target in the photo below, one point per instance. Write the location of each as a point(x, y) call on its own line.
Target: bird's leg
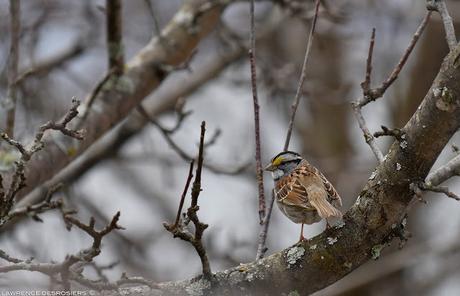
point(328, 226)
point(302, 238)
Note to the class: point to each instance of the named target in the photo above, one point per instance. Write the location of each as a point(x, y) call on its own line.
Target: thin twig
point(18, 179)
point(71, 268)
point(47, 65)
point(114, 36)
point(441, 7)
point(196, 187)
point(15, 27)
point(394, 74)
point(41, 207)
point(9, 258)
point(182, 199)
point(434, 179)
point(153, 14)
point(89, 100)
point(177, 228)
point(261, 246)
point(392, 132)
point(259, 171)
point(167, 132)
point(303, 76)
point(372, 94)
point(366, 85)
point(450, 169)
point(438, 189)
point(368, 137)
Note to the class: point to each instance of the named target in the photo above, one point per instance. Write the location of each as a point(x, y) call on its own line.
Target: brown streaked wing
point(331, 192)
point(290, 190)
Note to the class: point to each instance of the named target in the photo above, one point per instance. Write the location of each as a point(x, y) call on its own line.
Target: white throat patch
point(277, 174)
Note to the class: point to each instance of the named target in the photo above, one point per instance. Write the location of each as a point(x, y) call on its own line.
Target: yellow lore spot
point(277, 161)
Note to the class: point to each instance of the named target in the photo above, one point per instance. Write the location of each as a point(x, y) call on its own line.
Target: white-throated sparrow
point(302, 192)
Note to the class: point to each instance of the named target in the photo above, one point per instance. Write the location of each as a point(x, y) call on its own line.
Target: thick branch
point(117, 99)
point(107, 146)
point(372, 222)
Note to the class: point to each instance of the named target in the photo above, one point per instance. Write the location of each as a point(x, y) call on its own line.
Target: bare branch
point(265, 220)
point(372, 94)
point(35, 209)
point(47, 65)
point(169, 97)
point(114, 36)
point(18, 178)
point(167, 132)
point(252, 61)
point(182, 199)
point(61, 126)
point(261, 245)
point(369, 225)
point(441, 7)
point(8, 258)
point(196, 188)
point(153, 14)
point(95, 234)
point(177, 228)
point(15, 27)
point(71, 268)
point(394, 132)
point(303, 76)
point(450, 169)
point(438, 189)
point(366, 85)
point(142, 74)
point(370, 140)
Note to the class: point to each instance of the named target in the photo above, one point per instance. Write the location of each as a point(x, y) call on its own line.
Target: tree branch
point(303, 76)
point(13, 60)
point(372, 94)
point(252, 62)
point(177, 228)
point(106, 147)
point(441, 7)
point(47, 65)
point(18, 175)
point(369, 225)
point(116, 100)
point(71, 268)
point(450, 169)
point(115, 49)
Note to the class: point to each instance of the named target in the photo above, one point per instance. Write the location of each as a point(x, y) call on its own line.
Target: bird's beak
point(270, 167)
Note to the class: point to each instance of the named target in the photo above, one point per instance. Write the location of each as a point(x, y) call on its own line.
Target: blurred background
point(143, 177)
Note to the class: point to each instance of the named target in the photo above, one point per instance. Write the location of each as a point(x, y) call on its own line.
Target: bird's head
point(283, 163)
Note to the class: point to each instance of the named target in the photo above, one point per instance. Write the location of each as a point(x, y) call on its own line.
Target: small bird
point(302, 192)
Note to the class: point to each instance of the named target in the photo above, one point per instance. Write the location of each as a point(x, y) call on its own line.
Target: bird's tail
point(318, 199)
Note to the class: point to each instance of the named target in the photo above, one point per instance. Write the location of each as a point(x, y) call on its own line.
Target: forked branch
point(178, 228)
point(371, 94)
